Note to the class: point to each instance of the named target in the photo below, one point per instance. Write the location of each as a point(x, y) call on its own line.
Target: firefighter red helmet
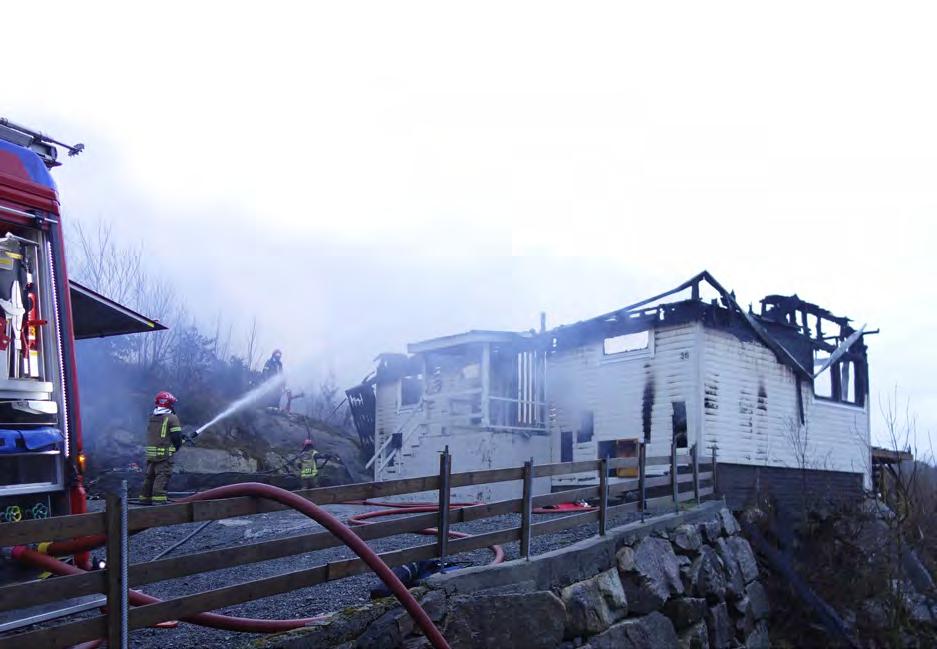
point(165, 399)
point(306, 443)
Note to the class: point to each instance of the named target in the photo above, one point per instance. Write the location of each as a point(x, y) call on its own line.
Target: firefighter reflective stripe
point(159, 427)
point(159, 499)
point(308, 468)
point(158, 452)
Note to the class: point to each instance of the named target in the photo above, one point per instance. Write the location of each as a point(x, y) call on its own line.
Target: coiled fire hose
point(399, 508)
point(46, 561)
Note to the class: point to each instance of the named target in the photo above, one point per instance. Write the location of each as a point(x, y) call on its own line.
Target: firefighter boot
point(163, 471)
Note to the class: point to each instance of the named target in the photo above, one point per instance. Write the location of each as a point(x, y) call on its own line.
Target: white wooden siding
point(750, 411)
point(838, 436)
point(737, 395)
point(472, 448)
point(613, 388)
point(386, 417)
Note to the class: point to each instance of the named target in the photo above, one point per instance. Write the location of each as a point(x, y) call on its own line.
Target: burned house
point(780, 395)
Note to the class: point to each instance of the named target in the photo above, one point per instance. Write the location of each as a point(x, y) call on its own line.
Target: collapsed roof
point(796, 331)
point(783, 325)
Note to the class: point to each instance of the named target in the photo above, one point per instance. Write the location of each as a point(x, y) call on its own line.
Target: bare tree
point(253, 351)
point(327, 404)
point(97, 260)
point(117, 271)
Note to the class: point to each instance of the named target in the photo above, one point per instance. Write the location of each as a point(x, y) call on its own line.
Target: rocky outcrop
point(653, 631)
point(499, 620)
point(707, 576)
point(595, 604)
point(213, 460)
point(685, 612)
point(687, 539)
point(684, 582)
point(256, 445)
point(650, 574)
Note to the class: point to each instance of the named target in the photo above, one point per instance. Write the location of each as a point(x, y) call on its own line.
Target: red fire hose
point(396, 509)
point(290, 499)
point(45, 560)
point(213, 620)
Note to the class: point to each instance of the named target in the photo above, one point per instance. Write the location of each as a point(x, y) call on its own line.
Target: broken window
point(679, 424)
point(390, 452)
point(851, 382)
point(411, 390)
point(843, 381)
point(626, 343)
point(823, 385)
point(566, 446)
point(586, 429)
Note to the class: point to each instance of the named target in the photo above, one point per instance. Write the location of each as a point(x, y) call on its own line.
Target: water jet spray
point(257, 393)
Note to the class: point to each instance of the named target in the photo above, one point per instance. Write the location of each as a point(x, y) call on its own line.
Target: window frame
point(644, 352)
point(401, 406)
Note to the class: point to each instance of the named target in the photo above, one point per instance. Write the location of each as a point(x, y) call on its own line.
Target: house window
point(411, 391)
point(633, 342)
point(608, 449)
point(843, 381)
point(848, 382)
point(586, 429)
point(679, 424)
point(396, 443)
point(566, 446)
point(823, 385)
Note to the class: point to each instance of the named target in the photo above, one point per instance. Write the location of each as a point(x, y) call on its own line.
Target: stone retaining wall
point(685, 580)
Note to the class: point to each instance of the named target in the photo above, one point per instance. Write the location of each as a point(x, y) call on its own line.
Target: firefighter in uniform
point(273, 368)
point(163, 437)
point(308, 468)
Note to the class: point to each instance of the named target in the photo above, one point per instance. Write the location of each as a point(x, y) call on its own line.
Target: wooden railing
point(675, 479)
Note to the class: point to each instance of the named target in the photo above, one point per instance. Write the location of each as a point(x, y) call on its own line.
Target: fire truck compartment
point(36, 439)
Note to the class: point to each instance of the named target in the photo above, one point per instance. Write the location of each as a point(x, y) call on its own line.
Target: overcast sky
point(361, 175)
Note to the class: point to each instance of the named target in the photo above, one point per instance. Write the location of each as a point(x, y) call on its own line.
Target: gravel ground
point(307, 602)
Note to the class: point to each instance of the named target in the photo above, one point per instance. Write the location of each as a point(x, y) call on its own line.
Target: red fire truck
point(42, 314)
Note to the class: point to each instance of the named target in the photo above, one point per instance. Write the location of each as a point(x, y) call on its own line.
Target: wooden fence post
point(528, 497)
point(695, 460)
point(445, 471)
point(642, 487)
point(674, 485)
point(603, 496)
point(116, 521)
